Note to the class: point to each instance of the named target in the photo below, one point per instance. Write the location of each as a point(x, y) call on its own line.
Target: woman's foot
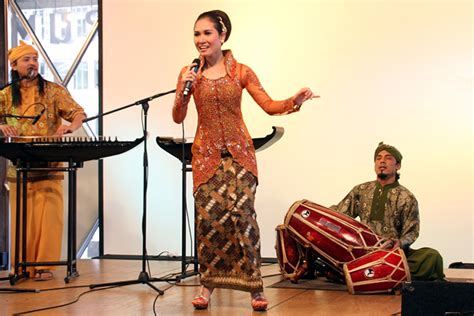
point(203, 299)
point(259, 301)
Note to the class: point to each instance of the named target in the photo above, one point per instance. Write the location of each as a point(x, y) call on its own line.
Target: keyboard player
point(33, 106)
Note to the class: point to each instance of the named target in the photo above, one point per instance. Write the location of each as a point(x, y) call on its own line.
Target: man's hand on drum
point(391, 244)
point(8, 130)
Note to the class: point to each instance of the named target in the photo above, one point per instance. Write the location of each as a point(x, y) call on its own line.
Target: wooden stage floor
point(140, 299)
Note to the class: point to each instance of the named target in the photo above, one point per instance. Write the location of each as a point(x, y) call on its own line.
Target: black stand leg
point(21, 199)
point(143, 277)
point(20, 196)
point(15, 290)
point(185, 156)
point(71, 271)
point(182, 151)
point(184, 261)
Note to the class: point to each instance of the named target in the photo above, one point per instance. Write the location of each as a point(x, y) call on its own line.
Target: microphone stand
point(143, 277)
point(139, 102)
point(12, 82)
point(18, 116)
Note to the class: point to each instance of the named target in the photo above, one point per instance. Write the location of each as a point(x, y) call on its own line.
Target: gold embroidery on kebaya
point(221, 125)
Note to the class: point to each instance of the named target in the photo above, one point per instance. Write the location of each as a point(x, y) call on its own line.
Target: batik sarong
point(227, 230)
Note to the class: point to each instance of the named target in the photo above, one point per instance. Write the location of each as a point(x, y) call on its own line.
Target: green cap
point(392, 150)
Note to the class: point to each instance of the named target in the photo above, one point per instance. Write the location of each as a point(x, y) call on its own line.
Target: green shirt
point(390, 211)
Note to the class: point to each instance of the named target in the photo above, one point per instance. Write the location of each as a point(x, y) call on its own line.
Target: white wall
point(397, 71)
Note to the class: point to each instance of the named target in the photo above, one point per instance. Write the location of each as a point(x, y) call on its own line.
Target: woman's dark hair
point(16, 93)
point(218, 17)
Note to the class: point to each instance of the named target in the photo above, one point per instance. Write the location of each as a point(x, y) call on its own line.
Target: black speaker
point(437, 298)
point(3, 260)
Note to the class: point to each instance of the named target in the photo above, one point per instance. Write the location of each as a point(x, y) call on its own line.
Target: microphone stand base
point(143, 278)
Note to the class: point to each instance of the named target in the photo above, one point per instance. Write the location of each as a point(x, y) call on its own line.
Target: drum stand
point(182, 151)
point(194, 260)
point(15, 290)
point(21, 200)
point(143, 276)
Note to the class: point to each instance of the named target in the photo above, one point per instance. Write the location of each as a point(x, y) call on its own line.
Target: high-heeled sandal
point(201, 301)
point(259, 302)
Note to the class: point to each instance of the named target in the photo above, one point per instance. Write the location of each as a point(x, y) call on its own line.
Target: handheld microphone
point(37, 117)
point(187, 87)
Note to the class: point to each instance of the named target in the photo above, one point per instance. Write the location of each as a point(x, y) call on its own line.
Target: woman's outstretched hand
point(304, 95)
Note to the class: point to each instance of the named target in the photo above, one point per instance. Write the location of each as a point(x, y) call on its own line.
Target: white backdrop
point(398, 72)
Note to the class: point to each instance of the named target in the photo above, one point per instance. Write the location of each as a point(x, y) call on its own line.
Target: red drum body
point(289, 253)
point(377, 272)
point(335, 237)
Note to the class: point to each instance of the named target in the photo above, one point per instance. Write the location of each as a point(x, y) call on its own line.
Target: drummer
point(391, 211)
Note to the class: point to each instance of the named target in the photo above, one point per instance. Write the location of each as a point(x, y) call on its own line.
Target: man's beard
point(382, 176)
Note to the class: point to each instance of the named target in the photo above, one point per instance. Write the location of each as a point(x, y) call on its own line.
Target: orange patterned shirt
point(220, 123)
point(57, 104)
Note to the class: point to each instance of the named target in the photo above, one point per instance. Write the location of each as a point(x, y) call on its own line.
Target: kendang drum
point(377, 272)
point(336, 238)
point(297, 261)
point(289, 253)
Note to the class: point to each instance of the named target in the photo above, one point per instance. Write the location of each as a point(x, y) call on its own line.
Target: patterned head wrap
point(392, 150)
point(21, 50)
